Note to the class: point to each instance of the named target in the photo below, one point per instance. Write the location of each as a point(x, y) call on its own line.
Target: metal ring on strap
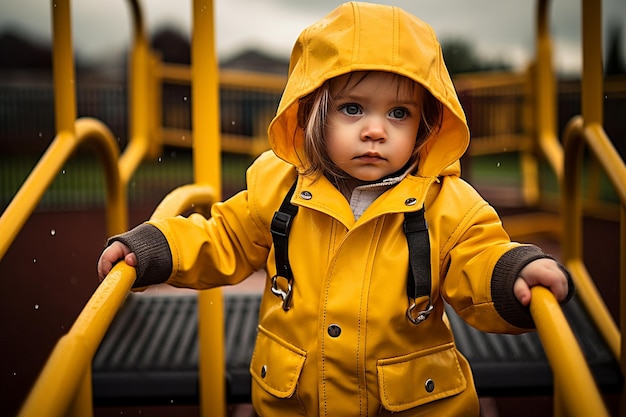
point(419, 316)
point(279, 292)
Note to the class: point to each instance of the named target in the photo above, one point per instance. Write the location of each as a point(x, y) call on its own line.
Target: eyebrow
point(357, 97)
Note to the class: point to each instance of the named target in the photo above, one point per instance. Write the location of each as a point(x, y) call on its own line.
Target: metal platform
point(150, 354)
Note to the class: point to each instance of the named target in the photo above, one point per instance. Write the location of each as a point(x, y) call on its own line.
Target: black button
point(334, 330)
point(429, 385)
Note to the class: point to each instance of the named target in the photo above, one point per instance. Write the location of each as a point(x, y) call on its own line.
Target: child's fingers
point(131, 259)
point(522, 291)
point(112, 255)
point(558, 286)
point(546, 272)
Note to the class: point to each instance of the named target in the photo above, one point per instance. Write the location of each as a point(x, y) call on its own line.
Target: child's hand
point(112, 254)
point(543, 272)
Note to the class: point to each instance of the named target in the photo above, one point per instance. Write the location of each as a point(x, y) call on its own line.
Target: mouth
point(370, 157)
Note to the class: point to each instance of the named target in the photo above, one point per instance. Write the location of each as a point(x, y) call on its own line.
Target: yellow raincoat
point(346, 347)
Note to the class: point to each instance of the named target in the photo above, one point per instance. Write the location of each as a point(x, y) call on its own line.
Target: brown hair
point(312, 116)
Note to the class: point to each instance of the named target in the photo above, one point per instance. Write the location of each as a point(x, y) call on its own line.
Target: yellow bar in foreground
point(577, 390)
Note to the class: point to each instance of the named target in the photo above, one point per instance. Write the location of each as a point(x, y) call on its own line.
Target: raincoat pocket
point(276, 364)
point(421, 377)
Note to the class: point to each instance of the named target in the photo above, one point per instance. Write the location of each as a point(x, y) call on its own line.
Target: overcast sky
point(496, 28)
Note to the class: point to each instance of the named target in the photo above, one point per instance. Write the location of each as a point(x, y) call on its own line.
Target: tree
point(461, 57)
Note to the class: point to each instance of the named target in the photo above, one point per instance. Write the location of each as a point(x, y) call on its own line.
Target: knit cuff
point(506, 271)
point(154, 257)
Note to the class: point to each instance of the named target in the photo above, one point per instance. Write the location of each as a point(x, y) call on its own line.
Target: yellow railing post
point(545, 93)
point(64, 383)
point(63, 67)
point(207, 170)
point(577, 392)
point(71, 133)
point(139, 145)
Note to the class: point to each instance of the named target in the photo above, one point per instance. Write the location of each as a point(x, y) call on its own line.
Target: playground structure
point(65, 384)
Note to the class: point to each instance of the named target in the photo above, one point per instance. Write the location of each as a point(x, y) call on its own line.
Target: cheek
point(335, 142)
point(334, 149)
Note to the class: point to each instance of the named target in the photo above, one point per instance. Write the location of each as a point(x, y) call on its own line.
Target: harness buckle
point(282, 294)
point(418, 317)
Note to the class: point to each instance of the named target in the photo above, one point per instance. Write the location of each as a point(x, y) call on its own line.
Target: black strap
point(280, 227)
point(415, 229)
point(419, 278)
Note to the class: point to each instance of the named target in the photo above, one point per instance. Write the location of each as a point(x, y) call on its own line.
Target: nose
point(374, 129)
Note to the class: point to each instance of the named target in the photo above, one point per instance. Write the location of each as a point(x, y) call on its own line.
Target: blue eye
point(350, 109)
point(399, 113)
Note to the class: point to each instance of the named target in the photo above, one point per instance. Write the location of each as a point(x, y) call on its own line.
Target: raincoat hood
point(370, 37)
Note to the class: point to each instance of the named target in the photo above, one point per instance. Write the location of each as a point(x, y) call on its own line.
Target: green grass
point(80, 183)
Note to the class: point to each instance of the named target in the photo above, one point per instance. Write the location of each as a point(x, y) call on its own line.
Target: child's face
point(372, 128)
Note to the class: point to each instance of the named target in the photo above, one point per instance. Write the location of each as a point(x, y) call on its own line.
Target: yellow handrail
point(588, 131)
point(70, 135)
point(192, 196)
point(575, 137)
point(575, 393)
point(60, 150)
point(64, 386)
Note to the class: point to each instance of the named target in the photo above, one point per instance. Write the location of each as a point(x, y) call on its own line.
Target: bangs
point(406, 88)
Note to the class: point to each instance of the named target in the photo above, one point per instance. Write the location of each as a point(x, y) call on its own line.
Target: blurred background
point(48, 273)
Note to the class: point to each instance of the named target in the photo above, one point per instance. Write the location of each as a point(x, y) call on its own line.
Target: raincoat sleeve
point(196, 252)
point(482, 266)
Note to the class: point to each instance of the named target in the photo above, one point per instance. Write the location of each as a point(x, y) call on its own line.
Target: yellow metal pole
point(82, 405)
point(574, 139)
point(63, 66)
point(207, 170)
point(592, 109)
point(545, 93)
point(61, 387)
point(70, 135)
point(592, 76)
point(577, 390)
point(138, 146)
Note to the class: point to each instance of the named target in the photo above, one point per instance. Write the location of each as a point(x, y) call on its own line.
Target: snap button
point(263, 371)
point(334, 330)
point(411, 201)
point(429, 385)
point(306, 195)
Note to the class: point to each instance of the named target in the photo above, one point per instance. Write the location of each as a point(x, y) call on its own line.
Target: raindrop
point(40, 134)
point(63, 172)
point(53, 232)
point(36, 306)
point(14, 373)
point(184, 137)
point(34, 260)
point(498, 164)
point(232, 123)
point(159, 159)
point(185, 98)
